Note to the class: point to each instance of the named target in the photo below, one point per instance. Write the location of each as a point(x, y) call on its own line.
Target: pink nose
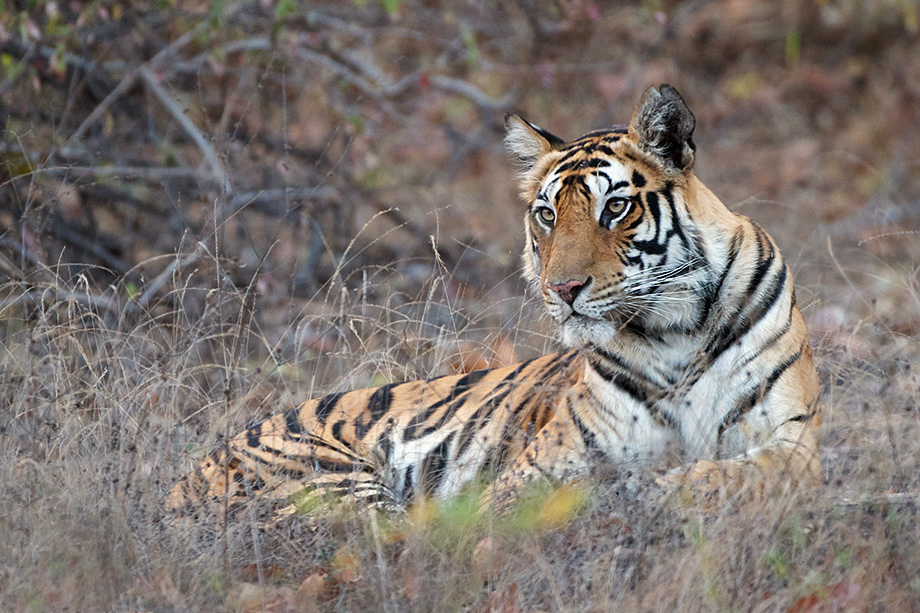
point(567, 290)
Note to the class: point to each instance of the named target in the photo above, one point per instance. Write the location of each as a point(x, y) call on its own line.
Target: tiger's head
point(617, 222)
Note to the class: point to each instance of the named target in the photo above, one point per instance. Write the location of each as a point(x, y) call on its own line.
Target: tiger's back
point(386, 445)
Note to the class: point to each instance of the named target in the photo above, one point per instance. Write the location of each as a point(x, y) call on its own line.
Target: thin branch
point(472, 92)
point(127, 82)
point(263, 199)
point(152, 173)
point(178, 113)
point(94, 301)
point(153, 63)
point(358, 80)
point(63, 231)
point(160, 280)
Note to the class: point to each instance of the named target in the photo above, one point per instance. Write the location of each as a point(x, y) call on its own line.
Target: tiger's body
point(684, 334)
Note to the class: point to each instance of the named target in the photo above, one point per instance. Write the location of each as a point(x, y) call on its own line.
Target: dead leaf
point(346, 566)
point(316, 588)
point(503, 602)
point(487, 558)
point(246, 597)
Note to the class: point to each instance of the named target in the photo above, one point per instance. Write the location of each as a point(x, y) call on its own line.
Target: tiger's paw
point(701, 485)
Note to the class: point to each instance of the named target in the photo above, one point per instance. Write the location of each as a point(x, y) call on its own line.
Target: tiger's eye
point(546, 215)
point(617, 205)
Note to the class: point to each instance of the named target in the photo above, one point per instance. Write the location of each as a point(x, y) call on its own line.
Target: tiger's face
point(609, 237)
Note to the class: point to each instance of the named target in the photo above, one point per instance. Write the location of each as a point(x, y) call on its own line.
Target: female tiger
point(682, 328)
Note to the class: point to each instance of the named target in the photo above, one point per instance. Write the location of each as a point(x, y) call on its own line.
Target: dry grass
point(107, 407)
point(370, 234)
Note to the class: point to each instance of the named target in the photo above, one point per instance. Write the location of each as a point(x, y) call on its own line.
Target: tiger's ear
point(663, 125)
point(527, 142)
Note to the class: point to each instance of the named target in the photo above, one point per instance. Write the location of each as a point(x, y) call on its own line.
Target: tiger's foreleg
point(768, 472)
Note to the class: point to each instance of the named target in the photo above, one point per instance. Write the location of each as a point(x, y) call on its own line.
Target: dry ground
point(281, 200)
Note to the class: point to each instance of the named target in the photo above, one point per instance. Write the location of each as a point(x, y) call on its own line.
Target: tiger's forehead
point(594, 164)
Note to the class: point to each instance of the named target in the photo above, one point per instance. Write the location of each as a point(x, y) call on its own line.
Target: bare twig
point(387, 90)
point(160, 280)
point(264, 199)
point(153, 173)
point(63, 231)
point(472, 92)
point(178, 113)
point(94, 301)
point(128, 81)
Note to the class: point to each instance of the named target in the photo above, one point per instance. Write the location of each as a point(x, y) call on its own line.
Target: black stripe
point(292, 422)
point(712, 296)
point(337, 432)
point(478, 419)
point(488, 407)
point(582, 164)
point(650, 247)
point(675, 218)
point(331, 466)
point(432, 468)
point(377, 406)
point(460, 388)
point(437, 425)
point(757, 395)
point(385, 444)
point(651, 201)
point(541, 389)
point(408, 482)
point(764, 260)
point(637, 179)
point(741, 322)
point(623, 365)
point(771, 341)
point(620, 381)
point(570, 181)
point(316, 441)
point(646, 397)
point(635, 223)
point(325, 406)
point(253, 435)
point(587, 436)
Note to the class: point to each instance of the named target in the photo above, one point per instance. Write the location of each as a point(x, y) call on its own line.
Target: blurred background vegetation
point(211, 209)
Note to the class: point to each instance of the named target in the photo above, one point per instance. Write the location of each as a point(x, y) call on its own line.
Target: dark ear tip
point(670, 91)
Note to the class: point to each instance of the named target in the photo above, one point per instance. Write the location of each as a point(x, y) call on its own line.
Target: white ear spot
point(526, 141)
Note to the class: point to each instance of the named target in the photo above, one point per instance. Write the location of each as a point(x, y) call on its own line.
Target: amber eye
point(546, 215)
point(615, 206)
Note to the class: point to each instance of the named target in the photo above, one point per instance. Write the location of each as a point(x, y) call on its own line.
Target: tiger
point(680, 330)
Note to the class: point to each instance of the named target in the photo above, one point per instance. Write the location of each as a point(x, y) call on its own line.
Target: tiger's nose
point(567, 290)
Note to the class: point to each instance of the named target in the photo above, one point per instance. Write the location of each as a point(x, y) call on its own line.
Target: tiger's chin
point(581, 331)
